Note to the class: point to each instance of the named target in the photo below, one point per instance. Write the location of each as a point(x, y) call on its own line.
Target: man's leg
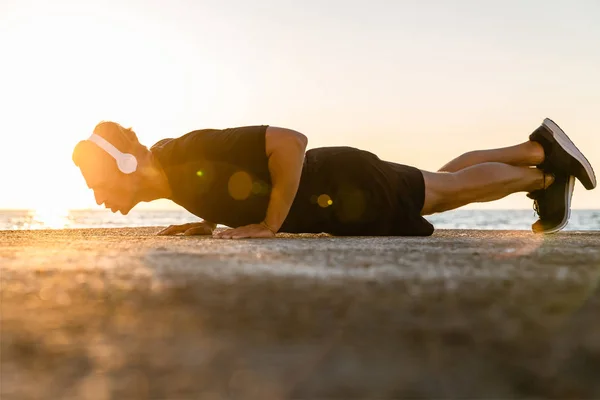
point(469, 179)
point(479, 183)
point(525, 154)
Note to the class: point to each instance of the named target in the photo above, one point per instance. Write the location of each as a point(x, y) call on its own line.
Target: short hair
point(122, 138)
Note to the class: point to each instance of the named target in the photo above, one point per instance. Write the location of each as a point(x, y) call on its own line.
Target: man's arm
point(285, 149)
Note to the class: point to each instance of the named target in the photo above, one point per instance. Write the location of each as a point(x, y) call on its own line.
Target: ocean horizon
point(581, 220)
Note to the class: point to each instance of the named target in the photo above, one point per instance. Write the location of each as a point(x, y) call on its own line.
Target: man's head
point(119, 189)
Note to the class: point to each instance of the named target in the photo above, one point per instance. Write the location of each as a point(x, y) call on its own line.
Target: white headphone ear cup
point(127, 163)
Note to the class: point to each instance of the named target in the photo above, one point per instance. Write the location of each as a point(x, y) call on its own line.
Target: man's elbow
point(297, 137)
point(302, 139)
point(281, 138)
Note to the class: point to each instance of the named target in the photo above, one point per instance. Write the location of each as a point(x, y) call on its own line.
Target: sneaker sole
point(568, 196)
point(589, 178)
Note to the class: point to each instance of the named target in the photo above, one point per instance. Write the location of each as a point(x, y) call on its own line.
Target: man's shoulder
point(160, 144)
point(170, 143)
point(217, 144)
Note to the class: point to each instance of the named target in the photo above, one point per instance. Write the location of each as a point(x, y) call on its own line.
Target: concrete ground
point(122, 314)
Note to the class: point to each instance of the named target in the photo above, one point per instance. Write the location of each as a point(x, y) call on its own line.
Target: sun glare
point(50, 218)
point(74, 90)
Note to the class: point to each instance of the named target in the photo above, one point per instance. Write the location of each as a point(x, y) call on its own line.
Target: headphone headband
point(127, 163)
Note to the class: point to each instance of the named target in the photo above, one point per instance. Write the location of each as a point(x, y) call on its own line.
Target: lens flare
point(240, 185)
point(324, 200)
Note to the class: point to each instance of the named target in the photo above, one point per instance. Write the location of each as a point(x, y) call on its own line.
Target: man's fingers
point(226, 234)
point(240, 234)
point(174, 229)
point(201, 228)
point(171, 230)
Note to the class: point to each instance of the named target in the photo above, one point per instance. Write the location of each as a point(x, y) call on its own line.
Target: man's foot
point(561, 154)
point(553, 205)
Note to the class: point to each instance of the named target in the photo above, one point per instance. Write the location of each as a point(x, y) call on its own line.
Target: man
point(260, 180)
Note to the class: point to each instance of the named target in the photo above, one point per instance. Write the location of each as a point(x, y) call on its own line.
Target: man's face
point(111, 187)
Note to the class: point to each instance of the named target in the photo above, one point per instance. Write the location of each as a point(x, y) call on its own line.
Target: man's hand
point(248, 231)
point(193, 228)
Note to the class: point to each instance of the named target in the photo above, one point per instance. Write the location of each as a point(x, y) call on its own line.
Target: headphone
point(127, 163)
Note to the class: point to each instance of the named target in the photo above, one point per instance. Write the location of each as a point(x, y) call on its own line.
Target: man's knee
point(460, 162)
point(442, 192)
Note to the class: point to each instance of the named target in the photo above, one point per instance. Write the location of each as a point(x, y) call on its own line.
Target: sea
point(581, 220)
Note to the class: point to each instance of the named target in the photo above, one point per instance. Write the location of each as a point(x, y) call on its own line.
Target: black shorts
point(413, 184)
point(347, 191)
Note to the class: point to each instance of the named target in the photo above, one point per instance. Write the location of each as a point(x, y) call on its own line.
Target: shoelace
point(535, 196)
point(536, 208)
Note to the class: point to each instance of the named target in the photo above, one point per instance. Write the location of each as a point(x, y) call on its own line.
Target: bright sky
point(416, 82)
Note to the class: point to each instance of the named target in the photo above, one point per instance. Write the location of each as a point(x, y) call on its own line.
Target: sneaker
point(553, 205)
point(561, 154)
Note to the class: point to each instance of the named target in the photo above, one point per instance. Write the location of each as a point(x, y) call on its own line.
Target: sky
point(416, 82)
